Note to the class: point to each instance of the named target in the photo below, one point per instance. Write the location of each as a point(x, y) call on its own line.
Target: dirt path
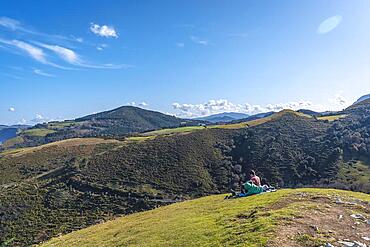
point(322, 220)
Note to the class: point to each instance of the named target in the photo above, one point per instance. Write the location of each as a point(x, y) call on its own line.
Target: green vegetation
point(223, 126)
point(72, 184)
point(162, 161)
point(25, 163)
point(354, 175)
point(332, 117)
point(140, 138)
point(119, 122)
point(210, 221)
point(173, 130)
point(61, 125)
point(37, 132)
point(289, 150)
point(13, 142)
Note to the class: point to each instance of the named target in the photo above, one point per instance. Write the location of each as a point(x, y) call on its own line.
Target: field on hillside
point(38, 132)
point(252, 221)
point(332, 117)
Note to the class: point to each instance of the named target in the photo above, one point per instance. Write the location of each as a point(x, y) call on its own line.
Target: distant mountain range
point(254, 117)
point(117, 122)
point(223, 117)
point(8, 132)
point(124, 121)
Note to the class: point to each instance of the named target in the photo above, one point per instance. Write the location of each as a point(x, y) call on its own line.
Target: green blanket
point(252, 189)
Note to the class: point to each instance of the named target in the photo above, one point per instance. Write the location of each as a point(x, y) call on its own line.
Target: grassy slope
point(23, 163)
point(355, 174)
point(208, 221)
point(162, 161)
point(251, 123)
point(38, 132)
point(332, 117)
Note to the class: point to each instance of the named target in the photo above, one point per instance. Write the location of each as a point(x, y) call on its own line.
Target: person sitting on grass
point(254, 178)
point(252, 187)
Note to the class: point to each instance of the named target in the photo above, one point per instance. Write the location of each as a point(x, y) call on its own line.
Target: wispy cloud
point(9, 23)
point(42, 73)
point(329, 24)
point(71, 57)
point(32, 51)
point(17, 26)
point(66, 54)
point(199, 41)
point(11, 76)
point(11, 109)
point(180, 45)
point(101, 47)
point(238, 35)
point(44, 51)
point(104, 30)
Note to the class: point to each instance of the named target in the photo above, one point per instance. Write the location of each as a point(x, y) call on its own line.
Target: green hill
point(127, 119)
point(118, 122)
point(301, 217)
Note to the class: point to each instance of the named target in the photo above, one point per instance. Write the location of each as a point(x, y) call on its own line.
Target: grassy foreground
point(208, 221)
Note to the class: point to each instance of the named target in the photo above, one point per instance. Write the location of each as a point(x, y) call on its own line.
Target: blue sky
point(65, 59)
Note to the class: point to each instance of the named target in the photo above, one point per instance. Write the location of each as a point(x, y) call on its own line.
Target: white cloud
point(101, 47)
point(39, 51)
point(42, 73)
point(329, 24)
point(33, 51)
point(64, 53)
point(142, 104)
point(11, 109)
point(22, 121)
point(103, 31)
point(17, 26)
point(39, 119)
point(290, 105)
point(339, 100)
point(9, 23)
point(223, 105)
point(73, 58)
point(210, 107)
point(199, 41)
